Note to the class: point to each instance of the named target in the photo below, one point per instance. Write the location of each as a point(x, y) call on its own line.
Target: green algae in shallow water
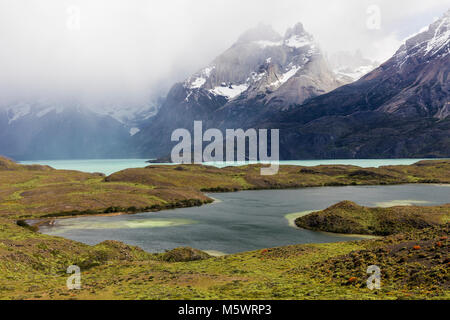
point(395, 203)
point(156, 223)
point(138, 224)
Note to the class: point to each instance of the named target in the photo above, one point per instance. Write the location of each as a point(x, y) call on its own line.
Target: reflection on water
point(65, 225)
point(395, 203)
point(241, 221)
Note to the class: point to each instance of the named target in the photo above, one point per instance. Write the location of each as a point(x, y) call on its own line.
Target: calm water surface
point(241, 221)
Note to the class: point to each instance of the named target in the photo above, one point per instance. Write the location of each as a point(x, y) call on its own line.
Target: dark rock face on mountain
point(400, 109)
point(261, 73)
point(364, 135)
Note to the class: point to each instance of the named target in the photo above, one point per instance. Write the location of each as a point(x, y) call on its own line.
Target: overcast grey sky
point(131, 48)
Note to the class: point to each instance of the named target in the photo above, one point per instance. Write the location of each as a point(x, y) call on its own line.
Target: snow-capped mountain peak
point(431, 42)
point(297, 37)
point(259, 61)
point(441, 36)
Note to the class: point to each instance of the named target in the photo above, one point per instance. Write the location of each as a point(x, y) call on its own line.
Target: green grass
point(350, 218)
point(33, 267)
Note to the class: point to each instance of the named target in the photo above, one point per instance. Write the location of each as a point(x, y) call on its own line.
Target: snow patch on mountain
point(299, 41)
point(198, 80)
point(266, 62)
point(133, 131)
point(295, 41)
point(197, 83)
point(256, 77)
point(188, 96)
point(427, 43)
point(17, 111)
point(230, 91)
point(20, 110)
point(266, 43)
point(351, 66)
point(344, 74)
point(441, 37)
point(45, 111)
point(207, 71)
point(423, 29)
point(286, 76)
point(127, 113)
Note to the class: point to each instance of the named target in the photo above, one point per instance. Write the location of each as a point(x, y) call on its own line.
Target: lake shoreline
point(266, 224)
point(42, 221)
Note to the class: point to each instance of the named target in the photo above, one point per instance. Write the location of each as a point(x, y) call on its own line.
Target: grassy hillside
point(348, 217)
point(36, 191)
point(248, 177)
point(414, 265)
point(40, 191)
